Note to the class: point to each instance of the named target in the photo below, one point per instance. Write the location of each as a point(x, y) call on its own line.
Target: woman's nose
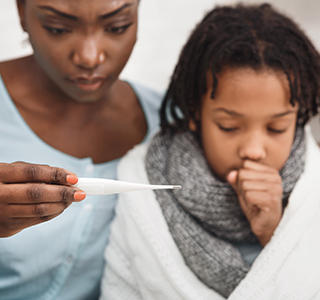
point(88, 54)
point(253, 147)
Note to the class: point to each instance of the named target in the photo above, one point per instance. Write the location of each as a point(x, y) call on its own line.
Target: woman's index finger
point(19, 172)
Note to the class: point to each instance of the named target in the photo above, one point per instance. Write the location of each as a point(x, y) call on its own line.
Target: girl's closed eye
point(277, 131)
point(280, 126)
point(227, 128)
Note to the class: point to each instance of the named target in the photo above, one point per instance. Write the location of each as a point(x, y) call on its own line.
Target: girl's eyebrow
point(236, 114)
point(74, 18)
point(228, 111)
point(284, 114)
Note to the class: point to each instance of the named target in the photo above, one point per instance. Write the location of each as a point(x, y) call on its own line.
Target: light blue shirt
point(62, 258)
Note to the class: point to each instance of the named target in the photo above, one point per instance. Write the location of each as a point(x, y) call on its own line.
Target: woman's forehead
point(85, 9)
point(79, 4)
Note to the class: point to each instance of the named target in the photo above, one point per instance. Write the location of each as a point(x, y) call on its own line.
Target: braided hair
point(242, 36)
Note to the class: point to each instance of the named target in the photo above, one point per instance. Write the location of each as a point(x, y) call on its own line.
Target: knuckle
point(280, 191)
point(245, 185)
point(247, 195)
point(8, 168)
point(40, 210)
point(275, 199)
point(21, 162)
point(65, 194)
point(35, 193)
point(241, 174)
point(45, 218)
point(50, 217)
point(278, 179)
point(67, 204)
point(57, 175)
point(18, 162)
point(6, 228)
point(32, 172)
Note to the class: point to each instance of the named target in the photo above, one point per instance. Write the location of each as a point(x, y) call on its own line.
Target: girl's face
point(82, 45)
point(250, 118)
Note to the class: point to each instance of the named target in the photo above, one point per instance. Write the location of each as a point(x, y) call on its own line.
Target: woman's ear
point(21, 10)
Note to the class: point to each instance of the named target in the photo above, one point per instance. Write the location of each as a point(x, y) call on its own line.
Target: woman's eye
point(118, 29)
point(228, 129)
point(56, 31)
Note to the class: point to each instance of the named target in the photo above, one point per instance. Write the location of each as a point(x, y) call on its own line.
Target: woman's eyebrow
point(115, 12)
point(74, 18)
point(58, 12)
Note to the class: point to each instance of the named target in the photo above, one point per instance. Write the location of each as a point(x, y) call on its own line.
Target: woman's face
point(250, 118)
point(82, 45)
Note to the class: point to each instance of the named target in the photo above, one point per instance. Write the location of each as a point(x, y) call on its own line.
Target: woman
point(65, 106)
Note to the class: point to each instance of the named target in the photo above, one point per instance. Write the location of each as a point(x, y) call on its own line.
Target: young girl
point(234, 135)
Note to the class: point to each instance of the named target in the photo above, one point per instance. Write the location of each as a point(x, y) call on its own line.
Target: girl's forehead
point(245, 89)
point(246, 75)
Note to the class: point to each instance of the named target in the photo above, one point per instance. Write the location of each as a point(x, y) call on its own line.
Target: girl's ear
point(21, 10)
point(192, 125)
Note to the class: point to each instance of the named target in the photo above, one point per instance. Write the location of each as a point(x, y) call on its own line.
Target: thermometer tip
point(176, 187)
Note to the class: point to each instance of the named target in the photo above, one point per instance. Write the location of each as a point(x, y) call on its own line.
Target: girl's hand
point(31, 194)
point(259, 191)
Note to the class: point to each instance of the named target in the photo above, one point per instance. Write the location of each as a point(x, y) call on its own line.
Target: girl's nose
point(253, 147)
point(88, 54)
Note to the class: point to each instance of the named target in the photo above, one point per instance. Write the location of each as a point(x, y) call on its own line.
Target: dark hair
point(242, 36)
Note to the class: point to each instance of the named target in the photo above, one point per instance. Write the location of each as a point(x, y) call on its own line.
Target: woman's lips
point(88, 84)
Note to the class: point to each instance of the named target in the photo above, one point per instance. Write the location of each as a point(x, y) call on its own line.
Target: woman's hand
point(31, 194)
point(259, 191)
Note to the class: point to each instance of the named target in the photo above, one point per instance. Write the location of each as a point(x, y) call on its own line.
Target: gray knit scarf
point(205, 217)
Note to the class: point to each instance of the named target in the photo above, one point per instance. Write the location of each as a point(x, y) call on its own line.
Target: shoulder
point(308, 183)
point(148, 97)
point(16, 76)
point(150, 101)
point(144, 91)
point(15, 66)
point(312, 153)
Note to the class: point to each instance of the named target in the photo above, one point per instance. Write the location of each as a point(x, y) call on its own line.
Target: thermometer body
point(101, 186)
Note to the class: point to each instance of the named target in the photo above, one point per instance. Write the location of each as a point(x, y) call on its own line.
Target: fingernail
point(79, 195)
point(72, 179)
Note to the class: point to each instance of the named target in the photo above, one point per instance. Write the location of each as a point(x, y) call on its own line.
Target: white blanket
point(143, 261)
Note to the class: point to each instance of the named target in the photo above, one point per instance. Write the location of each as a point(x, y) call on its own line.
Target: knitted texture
point(205, 216)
